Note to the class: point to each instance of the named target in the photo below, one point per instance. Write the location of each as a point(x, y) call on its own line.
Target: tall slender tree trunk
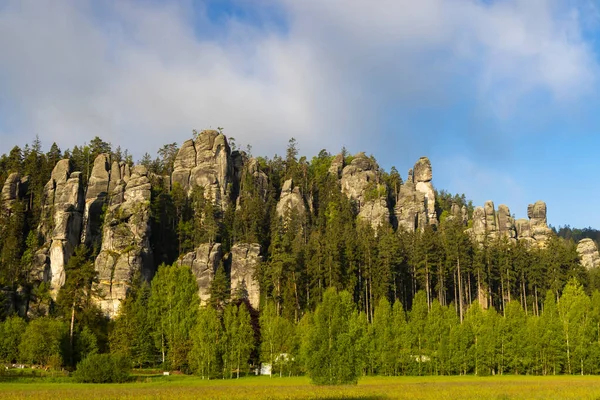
point(460, 290)
point(71, 331)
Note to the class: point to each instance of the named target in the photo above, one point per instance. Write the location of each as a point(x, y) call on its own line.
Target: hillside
point(281, 228)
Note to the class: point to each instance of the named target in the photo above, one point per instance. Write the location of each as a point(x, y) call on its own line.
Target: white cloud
point(142, 75)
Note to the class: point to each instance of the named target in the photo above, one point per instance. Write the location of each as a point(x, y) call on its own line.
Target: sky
point(503, 96)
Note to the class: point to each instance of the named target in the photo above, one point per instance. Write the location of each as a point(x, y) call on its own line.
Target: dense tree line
point(425, 302)
point(333, 344)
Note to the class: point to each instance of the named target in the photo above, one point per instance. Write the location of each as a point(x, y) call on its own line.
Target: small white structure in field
point(166, 373)
point(265, 369)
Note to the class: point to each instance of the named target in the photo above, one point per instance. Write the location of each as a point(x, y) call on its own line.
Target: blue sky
point(502, 96)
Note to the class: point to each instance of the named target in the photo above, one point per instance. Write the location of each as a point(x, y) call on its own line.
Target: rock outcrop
point(290, 201)
point(492, 224)
point(360, 181)
point(204, 262)
point(538, 223)
point(245, 258)
point(459, 212)
point(125, 251)
point(588, 253)
point(205, 162)
point(60, 227)
point(11, 189)
point(337, 166)
point(415, 206)
point(104, 178)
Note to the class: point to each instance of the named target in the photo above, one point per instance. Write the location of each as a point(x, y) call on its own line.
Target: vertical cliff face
point(360, 181)
point(125, 252)
point(422, 177)
point(290, 201)
point(60, 227)
point(203, 262)
point(588, 253)
point(491, 224)
point(245, 258)
point(415, 206)
point(13, 189)
point(206, 162)
point(459, 212)
point(104, 178)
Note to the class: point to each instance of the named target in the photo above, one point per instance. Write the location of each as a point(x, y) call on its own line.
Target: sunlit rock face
point(588, 253)
point(206, 162)
point(245, 258)
point(125, 253)
point(203, 262)
point(415, 206)
point(360, 181)
point(60, 226)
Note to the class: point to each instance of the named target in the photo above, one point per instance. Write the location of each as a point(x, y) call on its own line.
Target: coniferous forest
point(348, 270)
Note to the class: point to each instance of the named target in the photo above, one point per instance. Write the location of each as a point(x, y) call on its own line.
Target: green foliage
point(103, 368)
point(207, 342)
point(238, 339)
point(44, 342)
point(11, 332)
point(332, 339)
point(172, 310)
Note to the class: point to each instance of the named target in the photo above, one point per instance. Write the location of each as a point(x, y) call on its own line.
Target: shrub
point(103, 368)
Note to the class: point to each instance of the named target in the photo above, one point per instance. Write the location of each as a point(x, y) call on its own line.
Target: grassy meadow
point(187, 387)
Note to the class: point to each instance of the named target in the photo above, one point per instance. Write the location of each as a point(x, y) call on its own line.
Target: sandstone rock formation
point(12, 189)
point(491, 224)
point(415, 206)
point(459, 212)
point(104, 178)
point(538, 222)
point(422, 175)
point(291, 201)
point(204, 262)
point(588, 253)
point(245, 258)
point(337, 166)
point(60, 227)
point(125, 251)
point(487, 222)
point(360, 181)
point(205, 162)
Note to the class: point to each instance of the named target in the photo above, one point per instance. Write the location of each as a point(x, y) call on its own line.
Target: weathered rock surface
point(588, 253)
point(104, 178)
point(245, 258)
point(415, 206)
point(538, 222)
point(506, 223)
point(360, 181)
point(337, 166)
point(60, 227)
point(125, 251)
point(460, 213)
point(491, 224)
point(422, 178)
point(204, 262)
point(207, 163)
point(11, 188)
point(487, 222)
point(291, 201)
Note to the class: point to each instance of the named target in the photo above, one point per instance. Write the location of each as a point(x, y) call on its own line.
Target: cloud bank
point(330, 73)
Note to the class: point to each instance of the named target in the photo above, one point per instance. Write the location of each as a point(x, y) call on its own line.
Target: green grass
point(187, 387)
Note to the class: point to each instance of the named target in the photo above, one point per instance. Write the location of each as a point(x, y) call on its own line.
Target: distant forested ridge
point(208, 259)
